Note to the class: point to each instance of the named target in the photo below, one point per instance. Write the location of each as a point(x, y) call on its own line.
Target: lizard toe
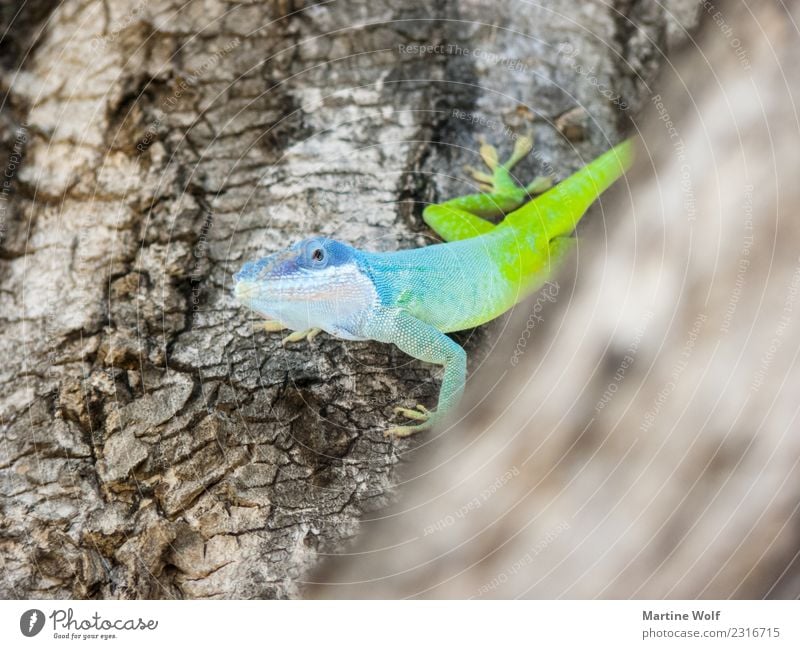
point(419, 413)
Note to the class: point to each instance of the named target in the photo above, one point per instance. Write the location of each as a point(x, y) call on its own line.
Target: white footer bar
point(390, 624)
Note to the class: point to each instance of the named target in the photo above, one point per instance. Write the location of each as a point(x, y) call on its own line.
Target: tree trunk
point(153, 444)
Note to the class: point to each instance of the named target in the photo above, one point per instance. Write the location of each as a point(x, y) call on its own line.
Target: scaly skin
point(412, 298)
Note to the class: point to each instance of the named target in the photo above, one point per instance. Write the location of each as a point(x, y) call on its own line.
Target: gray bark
point(645, 445)
point(152, 444)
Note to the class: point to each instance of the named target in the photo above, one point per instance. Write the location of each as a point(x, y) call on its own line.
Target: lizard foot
point(297, 336)
point(407, 431)
point(420, 413)
point(500, 180)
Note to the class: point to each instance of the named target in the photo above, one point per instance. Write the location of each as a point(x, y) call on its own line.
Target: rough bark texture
point(646, 443)
point(152, 444)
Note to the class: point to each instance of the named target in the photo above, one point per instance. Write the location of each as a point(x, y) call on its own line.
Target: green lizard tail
point(558, 210)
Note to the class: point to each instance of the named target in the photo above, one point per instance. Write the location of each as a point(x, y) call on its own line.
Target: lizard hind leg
point(453, 223)
point(466, 216)
point(268, 325)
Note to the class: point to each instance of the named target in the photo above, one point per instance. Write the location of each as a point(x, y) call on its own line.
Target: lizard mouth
point(285, 290)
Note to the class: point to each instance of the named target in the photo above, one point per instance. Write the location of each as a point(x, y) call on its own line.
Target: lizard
point(415, 297)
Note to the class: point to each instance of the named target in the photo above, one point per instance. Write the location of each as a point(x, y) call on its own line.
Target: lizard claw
point(297, 336)
point(419, 413)
point(489, 155)
point(522, 147)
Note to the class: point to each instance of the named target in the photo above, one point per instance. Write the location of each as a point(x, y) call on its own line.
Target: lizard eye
point(318, 254)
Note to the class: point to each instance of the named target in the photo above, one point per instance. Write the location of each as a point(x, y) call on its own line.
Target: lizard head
point(316, 282)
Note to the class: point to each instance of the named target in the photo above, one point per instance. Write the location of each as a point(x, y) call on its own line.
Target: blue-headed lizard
point(413, 298)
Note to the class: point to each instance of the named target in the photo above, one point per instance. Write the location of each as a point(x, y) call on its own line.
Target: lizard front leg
point(296, 336)
point(269, 326)
point(426, 343)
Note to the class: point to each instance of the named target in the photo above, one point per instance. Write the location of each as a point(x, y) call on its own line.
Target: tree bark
point(153, 444)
